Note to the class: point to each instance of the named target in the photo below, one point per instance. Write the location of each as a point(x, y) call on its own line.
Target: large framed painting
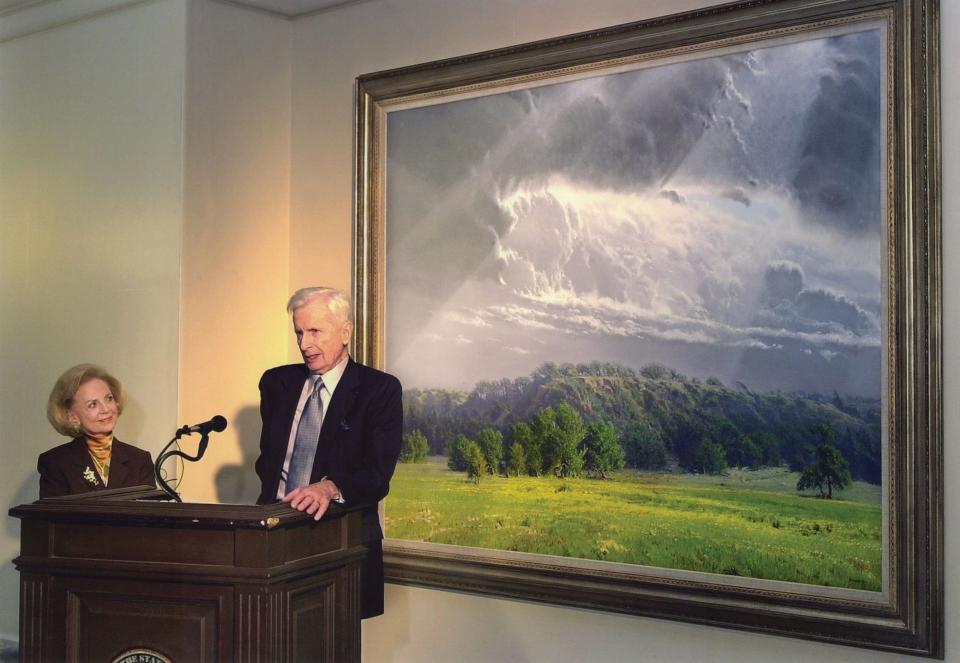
point(665, 302)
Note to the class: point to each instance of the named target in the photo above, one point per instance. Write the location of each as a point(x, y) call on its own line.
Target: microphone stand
point(167, 453)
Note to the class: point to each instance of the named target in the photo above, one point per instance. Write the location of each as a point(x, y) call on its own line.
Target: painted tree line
point(557, 442)
point(657, 416)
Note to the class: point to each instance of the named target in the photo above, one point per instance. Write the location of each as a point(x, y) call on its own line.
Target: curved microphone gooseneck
point(217, 424)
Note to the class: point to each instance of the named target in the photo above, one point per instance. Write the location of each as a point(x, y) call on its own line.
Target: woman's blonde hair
point(61, 397)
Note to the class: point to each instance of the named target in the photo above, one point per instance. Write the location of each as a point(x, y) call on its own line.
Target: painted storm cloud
point(721, 216)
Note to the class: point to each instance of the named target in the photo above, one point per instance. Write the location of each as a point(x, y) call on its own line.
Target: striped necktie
point(305, 445)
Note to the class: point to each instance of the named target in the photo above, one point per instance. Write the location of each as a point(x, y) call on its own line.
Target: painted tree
point(565, 455)
point(643, 446)
point(544, 429)
point(655, 372)
point(517, 460)
point(829, 470)
point(603, 452)
point(769, 448)
point(533, 453)
point(457, 453)
point(686, 433)
point(490, 442)
point(706, 457)
point(414, 448)
point(476, 463)
point(744, 452)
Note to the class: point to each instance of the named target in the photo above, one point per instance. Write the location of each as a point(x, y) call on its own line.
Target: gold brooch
point(89, 475)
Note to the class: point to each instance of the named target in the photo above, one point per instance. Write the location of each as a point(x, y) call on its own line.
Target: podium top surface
point(147, 505)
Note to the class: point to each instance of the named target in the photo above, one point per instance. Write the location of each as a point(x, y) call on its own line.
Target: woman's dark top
point(69, 469)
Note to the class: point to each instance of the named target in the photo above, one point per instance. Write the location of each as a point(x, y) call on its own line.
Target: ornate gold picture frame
point(395, 255)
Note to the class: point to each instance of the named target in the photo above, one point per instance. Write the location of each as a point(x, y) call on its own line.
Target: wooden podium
point(120, 575)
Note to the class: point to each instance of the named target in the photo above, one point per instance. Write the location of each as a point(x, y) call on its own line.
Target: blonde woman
point(85, 404)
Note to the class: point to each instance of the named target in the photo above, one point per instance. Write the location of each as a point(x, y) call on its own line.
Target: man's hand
point(314, 498)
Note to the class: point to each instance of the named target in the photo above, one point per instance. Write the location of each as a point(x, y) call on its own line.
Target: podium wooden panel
point(111, 572)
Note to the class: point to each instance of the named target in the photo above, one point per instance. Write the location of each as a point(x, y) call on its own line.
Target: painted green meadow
point(749, 523)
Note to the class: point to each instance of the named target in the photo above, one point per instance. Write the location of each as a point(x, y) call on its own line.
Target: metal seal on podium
point(141, 655)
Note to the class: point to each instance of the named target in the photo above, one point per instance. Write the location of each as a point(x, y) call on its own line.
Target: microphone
point(216, 425)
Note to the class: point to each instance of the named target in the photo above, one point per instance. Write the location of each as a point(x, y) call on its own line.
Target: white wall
point(90, 230)
point(330, 50)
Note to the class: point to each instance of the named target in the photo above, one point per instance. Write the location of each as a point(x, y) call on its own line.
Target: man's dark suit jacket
point(62, 469)
point(359, 445)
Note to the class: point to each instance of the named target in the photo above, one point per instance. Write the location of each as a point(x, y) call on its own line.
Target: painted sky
point(720, 216)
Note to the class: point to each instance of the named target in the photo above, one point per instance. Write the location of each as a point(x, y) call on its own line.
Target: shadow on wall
point(238, 484)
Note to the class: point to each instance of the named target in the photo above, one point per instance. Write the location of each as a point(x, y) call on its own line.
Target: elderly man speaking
point(332, 428)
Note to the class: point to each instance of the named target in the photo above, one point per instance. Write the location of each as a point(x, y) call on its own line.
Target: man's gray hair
point(337, 302)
